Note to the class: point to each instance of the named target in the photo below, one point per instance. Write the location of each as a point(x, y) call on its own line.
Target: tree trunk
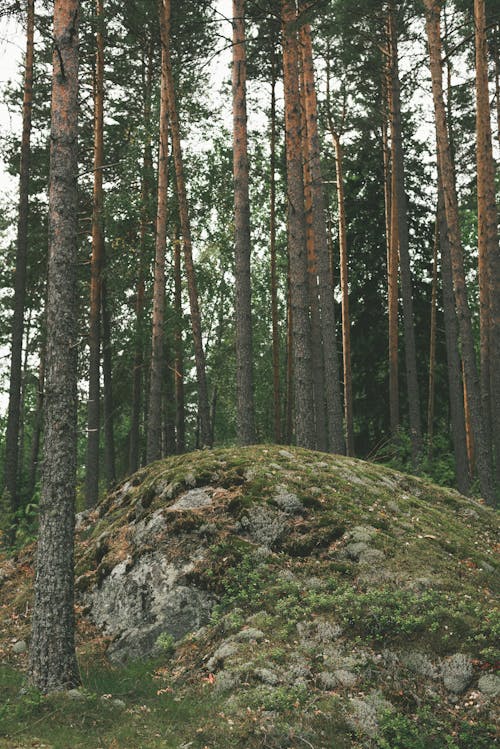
point(432, 345)
point(301, 334)
point(96, 263)
point(392, 260)
point(243, 303)
point(154, 433)
point(107, 370)
point(496, 55)
point(457, 261)
point(488, 252)
point(37, 427)
point(137, 389)
point(274, 275)
point(53, 663)
point(289, 363)
point(318, 370)
point(344, 287)
point(432, 341)
point(12, 435)
point(203, 406)
point(327, 309)
point(169, 441)
point(22, 406)
point(456, 391)
point(399, 207)
point(180, 418)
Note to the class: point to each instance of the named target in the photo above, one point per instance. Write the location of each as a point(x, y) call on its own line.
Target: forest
point(301, 248)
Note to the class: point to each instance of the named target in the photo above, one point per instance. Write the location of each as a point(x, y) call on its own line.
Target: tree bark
point(488, 251)
point(432, 345)
point(327, 309)
point(203, 406)
point(107, 372)
point(137, 374)
point(455, 386)
point(96, 264)
point(37, 427)
point(53, 663)
point(344, 288)
point(12, 435)
point(274, 275)
point(180, 418)
point(169, 414)
point(483, 462)
point(301, 333)
point(400, 208)
point(243, 295)
point(317, 361)
point(157, 371)
point(392, 266)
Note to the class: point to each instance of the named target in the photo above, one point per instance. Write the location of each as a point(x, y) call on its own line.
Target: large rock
point(138, 602)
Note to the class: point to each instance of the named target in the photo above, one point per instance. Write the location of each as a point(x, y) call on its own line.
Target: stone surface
point(138, 602)
point(19, 647)
point(192, 500)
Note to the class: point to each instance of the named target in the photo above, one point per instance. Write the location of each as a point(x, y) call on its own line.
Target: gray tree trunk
point(53, 663)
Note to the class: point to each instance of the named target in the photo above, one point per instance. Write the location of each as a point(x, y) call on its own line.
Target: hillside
point(269, 597)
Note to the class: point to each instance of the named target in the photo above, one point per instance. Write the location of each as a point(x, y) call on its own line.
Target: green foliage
point(166, 643)
point(425, 730)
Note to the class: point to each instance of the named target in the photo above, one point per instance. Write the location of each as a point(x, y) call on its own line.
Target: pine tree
point(53, 663)
point(242, 301)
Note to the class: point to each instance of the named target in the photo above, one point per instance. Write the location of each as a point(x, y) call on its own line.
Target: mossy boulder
point(288, 579)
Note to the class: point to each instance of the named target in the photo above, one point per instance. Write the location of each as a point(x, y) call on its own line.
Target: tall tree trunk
point(327, 309)
point(180, 418)
point(483, 462)
point(243, 300)
point(96, 264)
point(456, 391)
point(37, 427)
point(53, 664)
point(496, 55)
point(137, 375)
point(399, 206)
point(318, 370)
point(432, 345)
point(22, 432)
point(107, 372)
point(289, 363)
point(274, 274)
point(203, 406)
point(488, 252)
point(154, 433)
point(301, 334)
point(12, 435)
point(344, 287)
point(391, 233)
point(169, 414)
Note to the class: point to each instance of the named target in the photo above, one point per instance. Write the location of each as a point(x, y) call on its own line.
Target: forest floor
point(351, 606)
